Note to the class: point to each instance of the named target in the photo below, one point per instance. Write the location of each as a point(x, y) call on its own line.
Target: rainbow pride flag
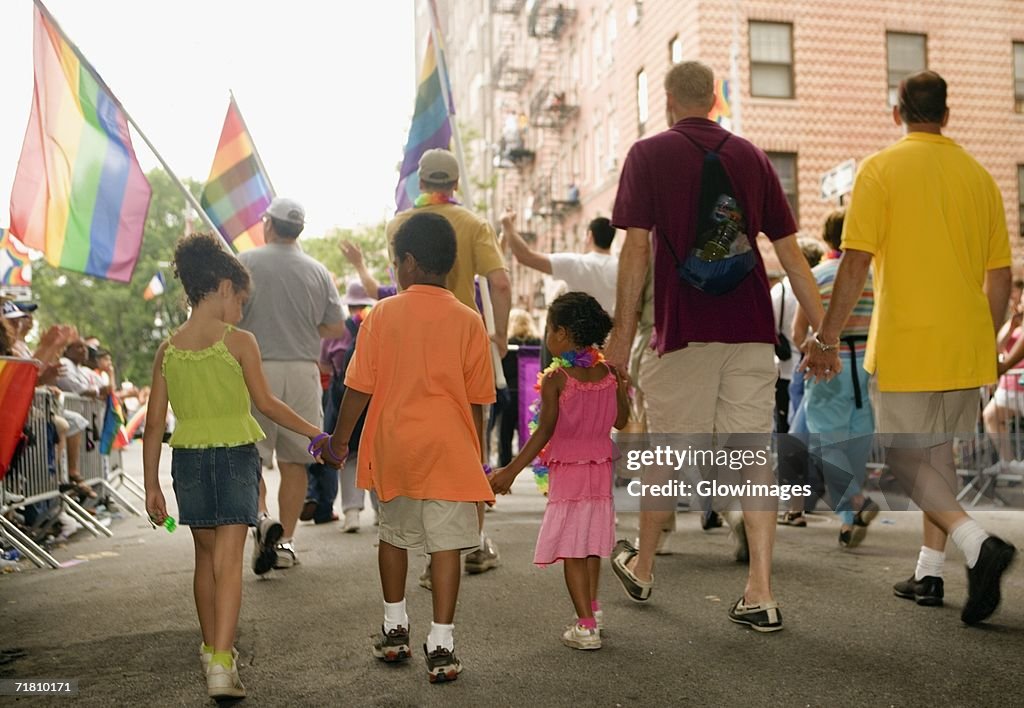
point(79, 195)
point(114, 419)
point(721, 111)
point(238, 190)
point(15, 267)
point(17, 386)
point(430, 127)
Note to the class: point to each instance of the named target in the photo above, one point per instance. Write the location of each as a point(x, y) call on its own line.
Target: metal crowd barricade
point(97, 469)
point(30, 480)
point(980, 460)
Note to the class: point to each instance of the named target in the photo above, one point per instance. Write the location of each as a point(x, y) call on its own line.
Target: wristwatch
point(822, 347)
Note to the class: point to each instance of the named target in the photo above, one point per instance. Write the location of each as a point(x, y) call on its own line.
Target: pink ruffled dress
point(579, 520)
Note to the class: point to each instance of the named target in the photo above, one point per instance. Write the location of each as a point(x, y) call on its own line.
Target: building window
point(907, 54)
point(771, 59)
point(675, 50)
point(642, 112)
point(1018, 76)
point(785, 165)
point(1020, 199)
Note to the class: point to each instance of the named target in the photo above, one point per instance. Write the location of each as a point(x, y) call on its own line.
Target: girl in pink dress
point(581, 399)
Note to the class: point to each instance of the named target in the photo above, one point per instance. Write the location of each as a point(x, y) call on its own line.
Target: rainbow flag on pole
point(15, 268)
point(79, 195)
point(238, 190)
point(430, 128)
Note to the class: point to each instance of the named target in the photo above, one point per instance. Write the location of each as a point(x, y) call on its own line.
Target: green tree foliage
point(130, 327)
point(371, 241)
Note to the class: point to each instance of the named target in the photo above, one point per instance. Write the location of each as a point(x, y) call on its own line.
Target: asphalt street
point(121, 621)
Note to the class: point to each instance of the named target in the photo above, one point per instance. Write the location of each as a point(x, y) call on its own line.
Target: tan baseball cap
point(438, 167)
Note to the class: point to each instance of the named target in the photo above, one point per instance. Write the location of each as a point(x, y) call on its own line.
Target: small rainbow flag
point(15, 267)
point(79, 195)
point(430, 128)
point(155, 287)
point(112, 435)
point(721, 111)
point(238, 190)
point(17, 386)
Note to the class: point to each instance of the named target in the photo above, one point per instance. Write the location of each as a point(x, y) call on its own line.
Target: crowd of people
point(67, 365)
point(386, 390)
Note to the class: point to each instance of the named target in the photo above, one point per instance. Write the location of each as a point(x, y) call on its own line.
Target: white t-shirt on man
point(592, 273)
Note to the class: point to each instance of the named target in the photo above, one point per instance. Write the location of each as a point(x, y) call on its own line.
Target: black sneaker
point(765, 617)
point(983, 580)
point(636, 590)
point(928, 591)
point(710, 519)
point(392, 646)
point(267, 533)
point(442, 665)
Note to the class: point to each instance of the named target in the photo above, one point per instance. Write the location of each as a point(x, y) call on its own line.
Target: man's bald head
point(922, 98)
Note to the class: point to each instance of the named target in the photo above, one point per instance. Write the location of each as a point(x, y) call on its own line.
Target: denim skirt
point(216, 486)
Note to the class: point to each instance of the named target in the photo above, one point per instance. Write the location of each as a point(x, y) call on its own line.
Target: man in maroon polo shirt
point(710, 369)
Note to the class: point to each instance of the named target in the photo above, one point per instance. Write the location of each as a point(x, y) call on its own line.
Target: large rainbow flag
point(15, 267)
point(79, 195)
point(430, 128)
point(17, 386)
point(238, 190)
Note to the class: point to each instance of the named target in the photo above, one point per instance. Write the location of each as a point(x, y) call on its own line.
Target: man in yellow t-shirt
point(477, 253)
point(927, 213)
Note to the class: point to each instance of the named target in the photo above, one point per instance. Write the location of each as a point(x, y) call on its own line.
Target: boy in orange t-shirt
point(424, 358)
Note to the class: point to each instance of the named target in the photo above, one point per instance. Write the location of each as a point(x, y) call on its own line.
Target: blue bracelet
point(488, 470)
point(330, 451)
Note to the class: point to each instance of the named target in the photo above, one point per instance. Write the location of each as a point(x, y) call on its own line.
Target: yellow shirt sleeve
point(486, 256)
point(865, 223)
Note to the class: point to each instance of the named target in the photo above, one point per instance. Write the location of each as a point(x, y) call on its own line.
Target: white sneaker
point(222, 682)
point(579, 637)
point(351, 523)
point(739, 535)
point(286, 556)
point(204, 657)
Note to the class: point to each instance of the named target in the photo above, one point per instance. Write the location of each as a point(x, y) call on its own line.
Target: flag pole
point(255, 152)
point(465, 184)
point(89, 67)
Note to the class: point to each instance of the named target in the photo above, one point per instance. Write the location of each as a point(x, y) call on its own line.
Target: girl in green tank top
point(211, 374)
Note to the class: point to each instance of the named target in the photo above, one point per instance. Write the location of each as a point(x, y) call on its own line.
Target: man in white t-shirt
point(594, 272)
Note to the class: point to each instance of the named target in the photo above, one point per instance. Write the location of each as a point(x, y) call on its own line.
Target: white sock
point(929, 562)
point(968, 537)
point(483, 539)
point(441, 635)
point(395, 616)
point(286, 540)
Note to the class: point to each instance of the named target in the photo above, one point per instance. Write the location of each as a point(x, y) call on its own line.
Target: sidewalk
point(123, 623)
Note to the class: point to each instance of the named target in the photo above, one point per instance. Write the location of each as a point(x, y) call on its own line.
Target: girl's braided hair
point(587, 322)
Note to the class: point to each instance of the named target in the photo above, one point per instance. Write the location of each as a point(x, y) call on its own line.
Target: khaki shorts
point(924, 418)
point(297, 383)
point(434, 524)
point(710, 387)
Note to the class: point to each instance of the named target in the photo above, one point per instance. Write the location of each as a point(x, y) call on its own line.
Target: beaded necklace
point(583, 358)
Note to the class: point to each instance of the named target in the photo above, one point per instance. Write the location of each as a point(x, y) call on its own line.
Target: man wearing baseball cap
point(476, 253)
point(294, 303)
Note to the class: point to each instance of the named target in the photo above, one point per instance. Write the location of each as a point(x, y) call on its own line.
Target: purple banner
point(529, 367)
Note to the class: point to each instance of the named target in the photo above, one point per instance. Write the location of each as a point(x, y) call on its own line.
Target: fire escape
point(552, 110)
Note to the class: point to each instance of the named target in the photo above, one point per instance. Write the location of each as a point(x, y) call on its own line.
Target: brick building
point(551, 95)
